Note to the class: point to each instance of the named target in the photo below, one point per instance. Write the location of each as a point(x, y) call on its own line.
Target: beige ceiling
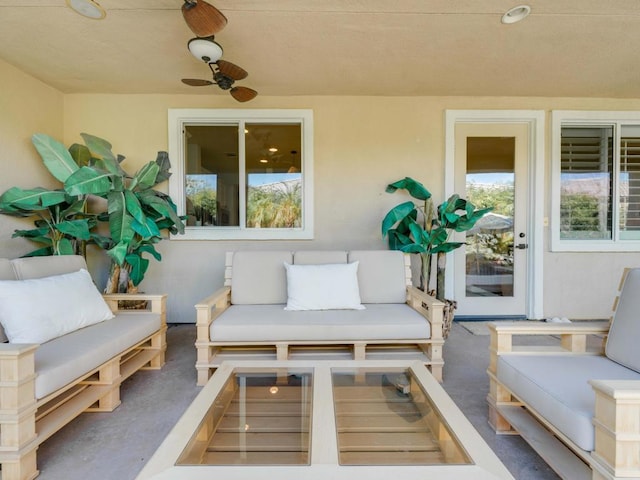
point(581, 48)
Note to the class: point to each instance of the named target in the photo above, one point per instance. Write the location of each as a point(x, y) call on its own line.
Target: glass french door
point(490, 275)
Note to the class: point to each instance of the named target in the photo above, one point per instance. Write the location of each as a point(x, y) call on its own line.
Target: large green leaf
point(81, 154)
point(157, 202)
point(133, 206)
point(65, 247)
point(396, 214)
point(98, 147)
point(145, 177)
point(118, 252)
point(150, 249)
point(446, 247)
point(139, 267)
point(55, 156)
point(33, 199)
point(88, 181)
point(397, 240)
point(75, 228)
point(120, 222)
point(415, 188)
point(165, 165)
point(40, 252)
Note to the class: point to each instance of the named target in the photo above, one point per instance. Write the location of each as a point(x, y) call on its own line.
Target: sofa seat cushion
point(557, 387)
point(271, 323)
point(64, 359)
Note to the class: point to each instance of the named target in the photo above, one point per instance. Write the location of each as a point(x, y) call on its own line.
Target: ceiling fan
point(225, 75)
point(205, 21)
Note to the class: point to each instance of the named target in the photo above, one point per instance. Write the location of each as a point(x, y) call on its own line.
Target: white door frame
point(535, 121)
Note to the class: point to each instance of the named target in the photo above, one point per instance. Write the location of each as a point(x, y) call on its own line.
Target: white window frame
point(179, 118)
point(586, 118)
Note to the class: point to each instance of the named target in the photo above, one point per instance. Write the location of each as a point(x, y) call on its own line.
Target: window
point(243, 174)
point(596, 181)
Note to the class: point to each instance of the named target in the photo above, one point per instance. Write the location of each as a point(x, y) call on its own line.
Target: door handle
point(522, 246)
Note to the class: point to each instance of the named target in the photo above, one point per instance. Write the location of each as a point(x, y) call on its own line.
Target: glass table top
point(381, 417)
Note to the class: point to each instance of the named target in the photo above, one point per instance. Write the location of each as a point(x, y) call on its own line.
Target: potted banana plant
point(425, 230)
point(136, 213)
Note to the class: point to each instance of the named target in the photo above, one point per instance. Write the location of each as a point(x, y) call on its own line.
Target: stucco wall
point(27, 106)
point(361, 144)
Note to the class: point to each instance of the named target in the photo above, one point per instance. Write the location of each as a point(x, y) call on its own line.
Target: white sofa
point(45, 386)
point(585, 399)
point(247, 317)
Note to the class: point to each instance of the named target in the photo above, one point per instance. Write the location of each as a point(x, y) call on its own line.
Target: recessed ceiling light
point(273, 149)
point(264, 160)
point(516, 14)
point(87, 8)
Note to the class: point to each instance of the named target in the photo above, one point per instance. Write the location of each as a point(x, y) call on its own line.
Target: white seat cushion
point(557, 387)
point(271, 323)
point(66, 358)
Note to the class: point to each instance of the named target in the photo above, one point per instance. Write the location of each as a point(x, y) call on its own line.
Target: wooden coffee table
point(323, 419)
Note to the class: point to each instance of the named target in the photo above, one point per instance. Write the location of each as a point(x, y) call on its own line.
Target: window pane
point(274, 175)
point(212, 175)
point(489, 244)
point(629, 188)
point(586, 176)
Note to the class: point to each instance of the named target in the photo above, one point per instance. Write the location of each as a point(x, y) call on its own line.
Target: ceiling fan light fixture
point(516, 14)
point(205, 49)
point(87, 8)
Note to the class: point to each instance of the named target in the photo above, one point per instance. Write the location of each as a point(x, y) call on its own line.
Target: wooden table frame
point(324, 453)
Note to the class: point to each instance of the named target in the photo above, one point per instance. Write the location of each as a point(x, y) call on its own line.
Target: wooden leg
point(498, 394)
point(436, 371)
point(282, 351)
point(24, 468)
point(359, 351)
point(204, 374)
point(159, 343)
point(109, 374)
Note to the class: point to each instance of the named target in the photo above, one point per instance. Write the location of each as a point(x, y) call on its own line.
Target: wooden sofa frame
point(26, 422)
point(617, 407)
point(210, 354)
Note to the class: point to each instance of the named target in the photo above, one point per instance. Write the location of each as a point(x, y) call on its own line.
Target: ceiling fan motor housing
point(223, 81)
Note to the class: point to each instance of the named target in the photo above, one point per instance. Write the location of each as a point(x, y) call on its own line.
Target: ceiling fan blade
point(231, 70)
point(243, 94)
point(203, 18)
point(195, 82)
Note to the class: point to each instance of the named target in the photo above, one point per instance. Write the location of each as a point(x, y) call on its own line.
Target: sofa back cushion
point(319, 257)
point(381, 275)
point(622, 342)
point(39, 267)
point(259, 277)
point(6, 270)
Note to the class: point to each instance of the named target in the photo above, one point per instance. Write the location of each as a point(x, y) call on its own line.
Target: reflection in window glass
point(586, 189)
point(212, 175)
point(490, 182)
point(274, 176)
point(629, 184)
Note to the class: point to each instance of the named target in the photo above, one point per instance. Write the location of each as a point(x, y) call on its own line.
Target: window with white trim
point(242, 174)
point(596, 181)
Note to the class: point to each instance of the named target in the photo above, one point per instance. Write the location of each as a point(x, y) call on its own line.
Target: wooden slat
point(373, 409)
point(283, 409)
point(265, 424)
point(256, 458)
point(387, 441)
point(261, 442)
point(386, 423)
point(397, 458)
point(552, 450)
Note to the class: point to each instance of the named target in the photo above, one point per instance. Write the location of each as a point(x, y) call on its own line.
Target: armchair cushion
point(622, 342)
point(40, 309)
point(323, 287)
point(557, 387)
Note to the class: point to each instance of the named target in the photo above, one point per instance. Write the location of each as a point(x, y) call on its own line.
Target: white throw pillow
point(323, 287)
point(40, 309)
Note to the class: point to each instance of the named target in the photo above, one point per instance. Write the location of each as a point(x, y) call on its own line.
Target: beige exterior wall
point(27, 106)
point(361, 144)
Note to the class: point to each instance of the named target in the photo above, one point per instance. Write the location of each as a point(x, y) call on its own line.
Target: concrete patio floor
point(116, 445)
